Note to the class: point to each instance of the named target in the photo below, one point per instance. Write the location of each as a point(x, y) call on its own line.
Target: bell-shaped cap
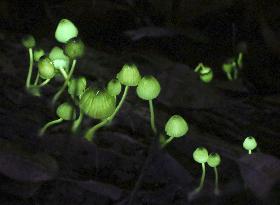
point(38, 53)
point(74, 48)
point(66, 111)
point(200, 155)
point(214, 160)
point(206, 74)
point(176, 126)
point(77, 86)
point(148, 88)
point(97, 104)
point(114, 87)
point(65, 31)
point(28, 41)
point(229, 65)
point(46, 68)
point(250, 143)
point(129, 75)
point(59, 59)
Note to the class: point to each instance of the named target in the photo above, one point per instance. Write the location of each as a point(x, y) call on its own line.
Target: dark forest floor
point(64, 169)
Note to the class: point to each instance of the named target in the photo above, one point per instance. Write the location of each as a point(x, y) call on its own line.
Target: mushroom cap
point(200, 155)
point(129, 75)
point(38, 53)
point(176, 126)
point(229, 65)
point(148, 88)
point(59, 59)
point(66, 111)
point(65, 31)
point(214, 160)
point(46, 68)
point(97, 104)
point(74, 48)
point(28, 41)
point(205, 70)
point(206, 75)
point(114, 87)
point(77, 86)
point(250, 143)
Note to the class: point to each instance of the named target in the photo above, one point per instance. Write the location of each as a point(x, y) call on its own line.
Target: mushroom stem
point(90, 133)
point(250, 151)
point(45, 82)
point(167, 141)
point(120, 103)
point(63, 73)
point(46, 126)
point(37, 78)
point(152, 116)
point(239, 60)
point(200, 65)
point(30, 69)
point(60, 91)
point(198, 189)
point(77, 122)
point(216, 191)
point(229, 76)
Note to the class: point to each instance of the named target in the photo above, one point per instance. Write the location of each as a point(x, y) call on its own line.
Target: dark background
point(206, 31)
point(166, 38)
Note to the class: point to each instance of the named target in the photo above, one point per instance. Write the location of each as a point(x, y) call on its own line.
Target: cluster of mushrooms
point(104, 104)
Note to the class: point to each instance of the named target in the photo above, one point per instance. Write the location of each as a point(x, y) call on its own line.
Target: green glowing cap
point(74, 48)
point(229, 66)
point(114, 87)
point(28, 41)
point(148, 88)
point(59, 59)
point(77, 86)
point(38, 53)
point(200, 155)
point(65, 31)
point(214, 160)
point(66, 111)
point(250, 143)
point(46, 68)
point(97, 104)
point(176, 126)
point(129, 75)
point(206, 74)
